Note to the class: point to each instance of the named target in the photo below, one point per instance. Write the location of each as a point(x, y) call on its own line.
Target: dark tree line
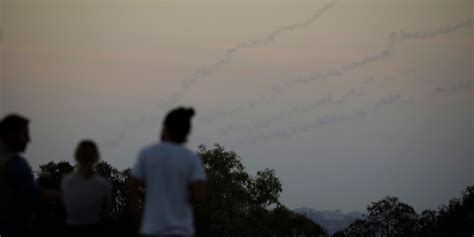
point(391, 218)
point(238, 204)
point(244, 205)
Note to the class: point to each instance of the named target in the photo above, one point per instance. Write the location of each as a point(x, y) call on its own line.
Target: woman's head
point(177, 125)
point(87, 153)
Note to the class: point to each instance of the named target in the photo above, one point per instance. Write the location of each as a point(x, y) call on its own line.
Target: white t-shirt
point(85, 198)
point(168, 170)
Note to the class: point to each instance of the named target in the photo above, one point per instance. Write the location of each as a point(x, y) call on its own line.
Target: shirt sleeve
point(197, 173)
point(138, 170)
point(19, 174)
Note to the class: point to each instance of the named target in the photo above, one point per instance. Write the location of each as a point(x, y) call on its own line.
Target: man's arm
point(198, 191)
point(134, 187)
point(198, 181)
point(21, 178)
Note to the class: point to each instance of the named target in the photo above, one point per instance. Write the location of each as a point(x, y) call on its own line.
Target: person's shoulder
point(164, 148)
point(178, 148)
point(67, 178)
point(189, 153)
point(18, 164)
point(149, 148)
point(18, 161)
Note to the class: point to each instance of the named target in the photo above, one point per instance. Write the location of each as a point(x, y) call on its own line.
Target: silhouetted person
point(172, 177)
point(19, 193)
point(86, 196)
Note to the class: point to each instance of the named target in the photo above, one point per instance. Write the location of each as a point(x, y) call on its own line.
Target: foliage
point(238, 204)
point(457, 218)
point(390, 218)
point(118, 181)
point(50, 174)
point(360, 228)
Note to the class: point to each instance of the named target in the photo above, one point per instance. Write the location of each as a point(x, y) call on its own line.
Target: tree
point(360, 228)
point(389, 217)
point(392, 218)
point(427, 223)
point(456, 219)
point(50, 215)
point(339, 234)
point(282, 222)
point(50, 175)
point(238, 203)
point(234, 195)
point(118, 181)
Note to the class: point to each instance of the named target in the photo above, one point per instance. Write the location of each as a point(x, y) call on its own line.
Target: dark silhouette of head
point(14, 132)
point(87, 153)
point(177, 125)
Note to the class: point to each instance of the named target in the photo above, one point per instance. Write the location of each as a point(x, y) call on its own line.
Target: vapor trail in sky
point(393, 40)
point(324, 101)
point(271, 37)
point(460, 86)
point(204, 72)
point(341, 117)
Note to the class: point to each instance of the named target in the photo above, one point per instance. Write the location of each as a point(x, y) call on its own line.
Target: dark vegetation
point(238, 204)
point(331, 220)
point(243, 205)
point(391, 218)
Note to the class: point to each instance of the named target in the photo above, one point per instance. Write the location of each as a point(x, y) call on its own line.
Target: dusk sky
point(349, 101)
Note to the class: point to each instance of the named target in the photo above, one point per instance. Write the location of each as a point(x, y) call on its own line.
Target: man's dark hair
point(12, 124)
point(178, 123)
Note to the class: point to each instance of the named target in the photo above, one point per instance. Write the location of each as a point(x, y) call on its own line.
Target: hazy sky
point(349, 100)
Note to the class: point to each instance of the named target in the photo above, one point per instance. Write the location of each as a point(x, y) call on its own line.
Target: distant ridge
point(333, 220)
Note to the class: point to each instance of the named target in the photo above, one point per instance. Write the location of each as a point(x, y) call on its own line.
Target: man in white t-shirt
point(172, 177)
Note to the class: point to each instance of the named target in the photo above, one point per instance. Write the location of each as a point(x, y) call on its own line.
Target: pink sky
point(101, 69)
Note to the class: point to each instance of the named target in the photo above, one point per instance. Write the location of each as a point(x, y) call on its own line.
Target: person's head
point(177, 125)
point(14, 133)
point(87, 153)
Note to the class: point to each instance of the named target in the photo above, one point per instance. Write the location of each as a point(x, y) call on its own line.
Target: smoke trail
point(324, 120)
point(322, 102)
point(203, 72)
point(271, 37)
point(294, 110)
point(390, 99)
point(284, 114)
point(459, 86)
point(393, 40)
point(334, 118)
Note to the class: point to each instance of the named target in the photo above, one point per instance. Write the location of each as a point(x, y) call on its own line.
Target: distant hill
point(332, 221)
